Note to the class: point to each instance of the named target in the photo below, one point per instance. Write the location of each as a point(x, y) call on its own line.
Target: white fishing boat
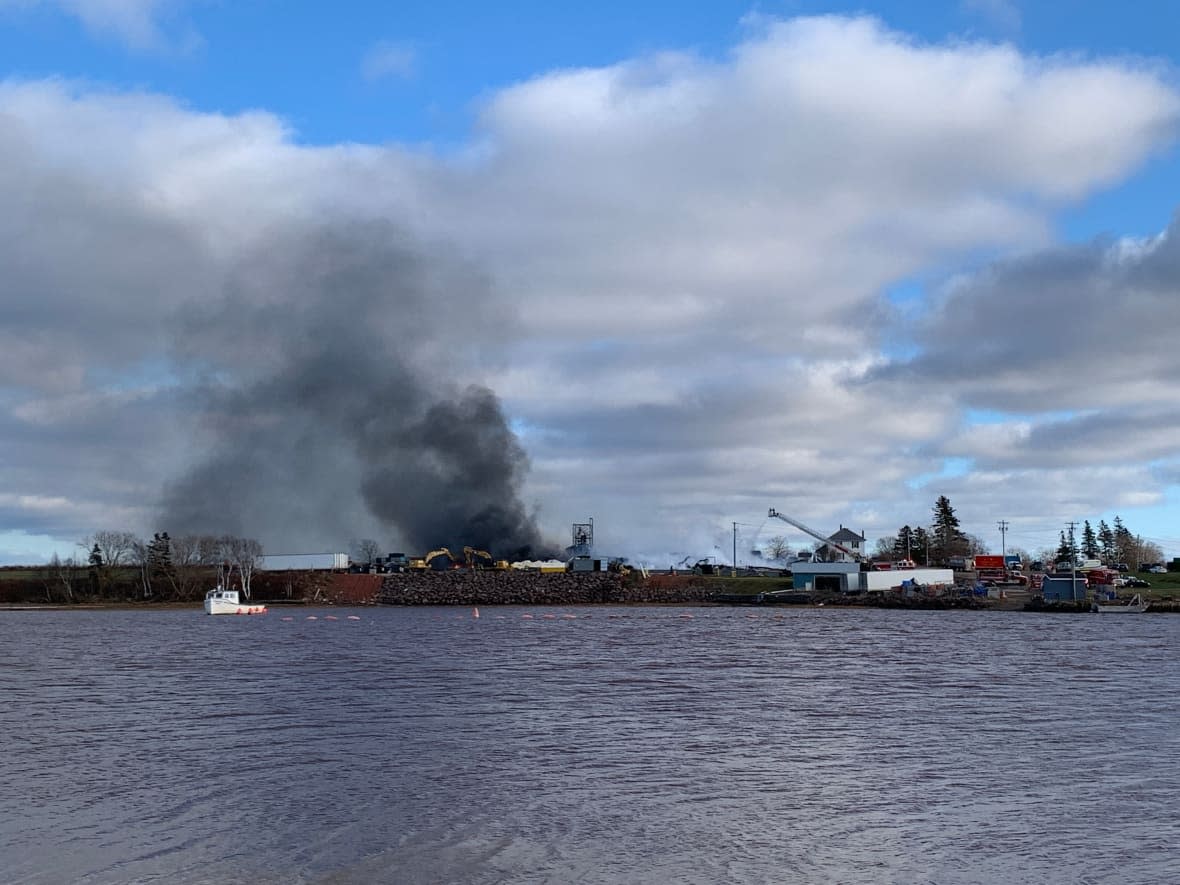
point(1134, 607)
point(220, 601)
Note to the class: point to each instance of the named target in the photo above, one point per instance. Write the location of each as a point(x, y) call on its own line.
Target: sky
point(405, 271)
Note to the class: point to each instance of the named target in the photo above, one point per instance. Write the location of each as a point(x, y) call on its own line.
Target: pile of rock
point(490, 587)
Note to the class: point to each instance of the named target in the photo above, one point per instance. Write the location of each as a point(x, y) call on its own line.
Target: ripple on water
point(633, 745)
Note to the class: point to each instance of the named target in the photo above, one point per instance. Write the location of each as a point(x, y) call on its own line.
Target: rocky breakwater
point(488, 587)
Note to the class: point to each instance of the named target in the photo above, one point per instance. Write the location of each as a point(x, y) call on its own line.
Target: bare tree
point(1147, 552)
point(244, 554)
point(974, 544)
point(776, 548)
point(209, 554)
point(190, 564)
point(365, 550)
point(115, 547)
point(141, 558)
point(1045, 555)
point(62, 574)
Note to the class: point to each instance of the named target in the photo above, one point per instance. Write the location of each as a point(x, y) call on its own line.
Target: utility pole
point(1073, 564)
point(1003, 524)
point(735, 549)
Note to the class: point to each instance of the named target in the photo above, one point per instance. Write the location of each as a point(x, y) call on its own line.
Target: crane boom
point(856, 557)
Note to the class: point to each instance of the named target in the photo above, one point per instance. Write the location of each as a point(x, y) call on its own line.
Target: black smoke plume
point(331, 406)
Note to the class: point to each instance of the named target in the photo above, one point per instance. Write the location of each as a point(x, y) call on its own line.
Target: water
point(623, 745)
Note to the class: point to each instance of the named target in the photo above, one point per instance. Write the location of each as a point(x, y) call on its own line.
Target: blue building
point(1063, 588)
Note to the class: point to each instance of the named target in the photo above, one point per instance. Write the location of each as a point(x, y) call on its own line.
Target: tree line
point(121, 565)
point(944, 539)
point(937, 544)
point(1109, 543)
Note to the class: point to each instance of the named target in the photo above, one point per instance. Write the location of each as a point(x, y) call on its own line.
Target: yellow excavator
point(421, 563)
point(435, 554)
point(470, 553)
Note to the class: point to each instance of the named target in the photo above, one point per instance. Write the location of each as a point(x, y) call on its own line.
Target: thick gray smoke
point(331, 407)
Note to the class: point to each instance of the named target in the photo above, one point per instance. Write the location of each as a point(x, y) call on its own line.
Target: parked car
point(1132, 581)
point(1158, 570)
point(1122, 567)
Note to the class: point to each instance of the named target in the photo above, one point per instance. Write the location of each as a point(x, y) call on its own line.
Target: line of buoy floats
point(547, 616)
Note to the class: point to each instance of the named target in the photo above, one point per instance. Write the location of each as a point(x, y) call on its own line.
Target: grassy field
point(21, 573)
point(1162, 586)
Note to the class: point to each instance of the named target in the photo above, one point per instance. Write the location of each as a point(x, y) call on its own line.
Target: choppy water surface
point(594, 745)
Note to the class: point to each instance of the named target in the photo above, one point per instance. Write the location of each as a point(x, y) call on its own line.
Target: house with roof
point(845, 538)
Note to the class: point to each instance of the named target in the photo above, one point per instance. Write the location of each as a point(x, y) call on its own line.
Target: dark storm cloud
point(1067, 328)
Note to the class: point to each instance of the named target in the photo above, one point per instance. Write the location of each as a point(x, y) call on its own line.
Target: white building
point(847, 577)
point(845, 538)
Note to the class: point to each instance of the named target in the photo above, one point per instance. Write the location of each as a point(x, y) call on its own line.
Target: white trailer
point(305, 562)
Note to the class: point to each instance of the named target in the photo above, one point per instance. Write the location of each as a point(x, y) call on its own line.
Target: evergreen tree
point(1106, 543)
point(1064, 550)
point(903, 546)
point(921, 546)
point(159, 554)
point(1089, 541)
point(97, 571)
point(947, 538)
point(1124, 541)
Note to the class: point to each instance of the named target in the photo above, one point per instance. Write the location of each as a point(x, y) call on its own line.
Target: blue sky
point(427, 80)
point(305, 61)
point(309, 63)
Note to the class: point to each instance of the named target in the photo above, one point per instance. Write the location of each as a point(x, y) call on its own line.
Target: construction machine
point(856, 557)
point(704, 567)
point(435, 554)
point(470, 554)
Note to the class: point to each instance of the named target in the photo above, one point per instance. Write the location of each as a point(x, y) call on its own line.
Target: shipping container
point(289, 562)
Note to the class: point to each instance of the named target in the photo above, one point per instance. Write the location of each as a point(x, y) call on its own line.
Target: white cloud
point(671, 269)
point(141, 25)
point(390, 59)
point(1004, 14)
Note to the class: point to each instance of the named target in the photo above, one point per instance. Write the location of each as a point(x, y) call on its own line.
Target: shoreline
point(893, 605)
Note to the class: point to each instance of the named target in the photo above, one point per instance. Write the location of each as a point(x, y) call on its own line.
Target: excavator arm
point(470, 553)
point(434, 554)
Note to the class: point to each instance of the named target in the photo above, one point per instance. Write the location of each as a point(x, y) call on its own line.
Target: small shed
point(1063, 588)
point(833, 577)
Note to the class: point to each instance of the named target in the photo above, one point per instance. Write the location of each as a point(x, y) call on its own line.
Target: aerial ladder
point(856, 557)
